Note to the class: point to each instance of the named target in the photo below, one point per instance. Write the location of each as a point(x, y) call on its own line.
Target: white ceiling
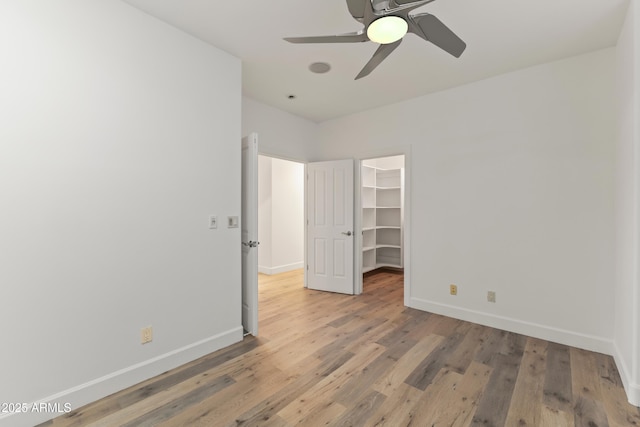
point(501, 36)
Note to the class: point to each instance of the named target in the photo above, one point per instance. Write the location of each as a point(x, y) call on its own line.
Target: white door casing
point(330, 233)
point(250, 234)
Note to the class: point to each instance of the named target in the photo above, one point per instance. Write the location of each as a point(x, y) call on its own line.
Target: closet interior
point(382, 196)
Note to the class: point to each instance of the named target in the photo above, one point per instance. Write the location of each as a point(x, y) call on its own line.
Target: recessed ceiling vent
point(319, 67)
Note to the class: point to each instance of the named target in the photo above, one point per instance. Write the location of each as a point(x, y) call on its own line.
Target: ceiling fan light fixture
point(387, 29)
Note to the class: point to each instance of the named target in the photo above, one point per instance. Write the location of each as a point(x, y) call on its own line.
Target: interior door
point(250, 234)
point(330, 226)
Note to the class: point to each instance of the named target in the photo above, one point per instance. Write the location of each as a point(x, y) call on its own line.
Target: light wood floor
point(329, 359)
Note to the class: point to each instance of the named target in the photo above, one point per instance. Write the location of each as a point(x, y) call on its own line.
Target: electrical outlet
point(491, 296)
point(213, 221)
point(453, 289)
point(146, 335)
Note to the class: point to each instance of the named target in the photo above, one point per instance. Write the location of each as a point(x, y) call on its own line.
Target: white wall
point(280, 215)
point(288, 215)
point(512, 191)
point(627, 283)
point(119, 136)
point(280, 134)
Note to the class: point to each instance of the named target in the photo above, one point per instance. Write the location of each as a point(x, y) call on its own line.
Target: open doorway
point(382, 217)
point(280, 215)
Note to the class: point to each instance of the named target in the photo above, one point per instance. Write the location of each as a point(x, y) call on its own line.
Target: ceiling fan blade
point(383, 51)
point(401, 2)
point(360, 36)
point(433, 30)
point(356, 8)
point(407, 5)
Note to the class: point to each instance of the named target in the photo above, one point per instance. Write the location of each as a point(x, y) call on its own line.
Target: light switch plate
point(232, 222)
point(213, 221)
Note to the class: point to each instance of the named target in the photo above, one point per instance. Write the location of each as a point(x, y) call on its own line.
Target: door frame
point(357, 258)
point(405, 150)
point(265, 150)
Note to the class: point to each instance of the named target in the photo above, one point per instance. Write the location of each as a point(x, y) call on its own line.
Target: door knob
point(251, 244)
point(347, 233)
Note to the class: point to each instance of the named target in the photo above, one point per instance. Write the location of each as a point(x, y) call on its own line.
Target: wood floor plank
point(556, 418)
point(320, 398)
point(493, 406)
point(162, 399)
point(619, 411)
point(269, 407)
point(490, 347)
point(398, 408)
point(583, 382)
point(463, 354)
point(274, 421)
point(398, 332)
point(235, 399)
point(465, 402)
point(462, 398)
point(350, 337)
point(359, 414)
point(426, 371)
point(180, 404)
point(590, 413)
point(558, 392)
point(528, 393)
point(393, 379)
point(429, 409)
point(366, 360)
point(358, 385)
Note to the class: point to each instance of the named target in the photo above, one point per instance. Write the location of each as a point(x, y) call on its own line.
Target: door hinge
point(307, 267)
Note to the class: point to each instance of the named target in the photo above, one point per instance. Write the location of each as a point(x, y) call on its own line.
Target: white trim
point(632, 389)
point(306, 228)
point(281, 268)
point(96, 389)
point(562, 336)
point(357, 229)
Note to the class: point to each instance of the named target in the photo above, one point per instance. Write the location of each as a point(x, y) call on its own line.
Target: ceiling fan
point(386, 22)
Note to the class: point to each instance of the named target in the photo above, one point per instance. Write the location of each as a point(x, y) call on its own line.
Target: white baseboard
point(632, 389)
point(562, 336)
point(91, 391)
point(280, 269)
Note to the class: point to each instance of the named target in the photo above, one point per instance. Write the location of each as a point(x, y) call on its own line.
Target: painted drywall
point(280, 134)
point(280, 215)
point(119, 137)
point(512, 191)
point(627, 282)
point(288, 215)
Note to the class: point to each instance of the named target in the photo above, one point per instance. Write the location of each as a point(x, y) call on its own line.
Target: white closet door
point(330, 226)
